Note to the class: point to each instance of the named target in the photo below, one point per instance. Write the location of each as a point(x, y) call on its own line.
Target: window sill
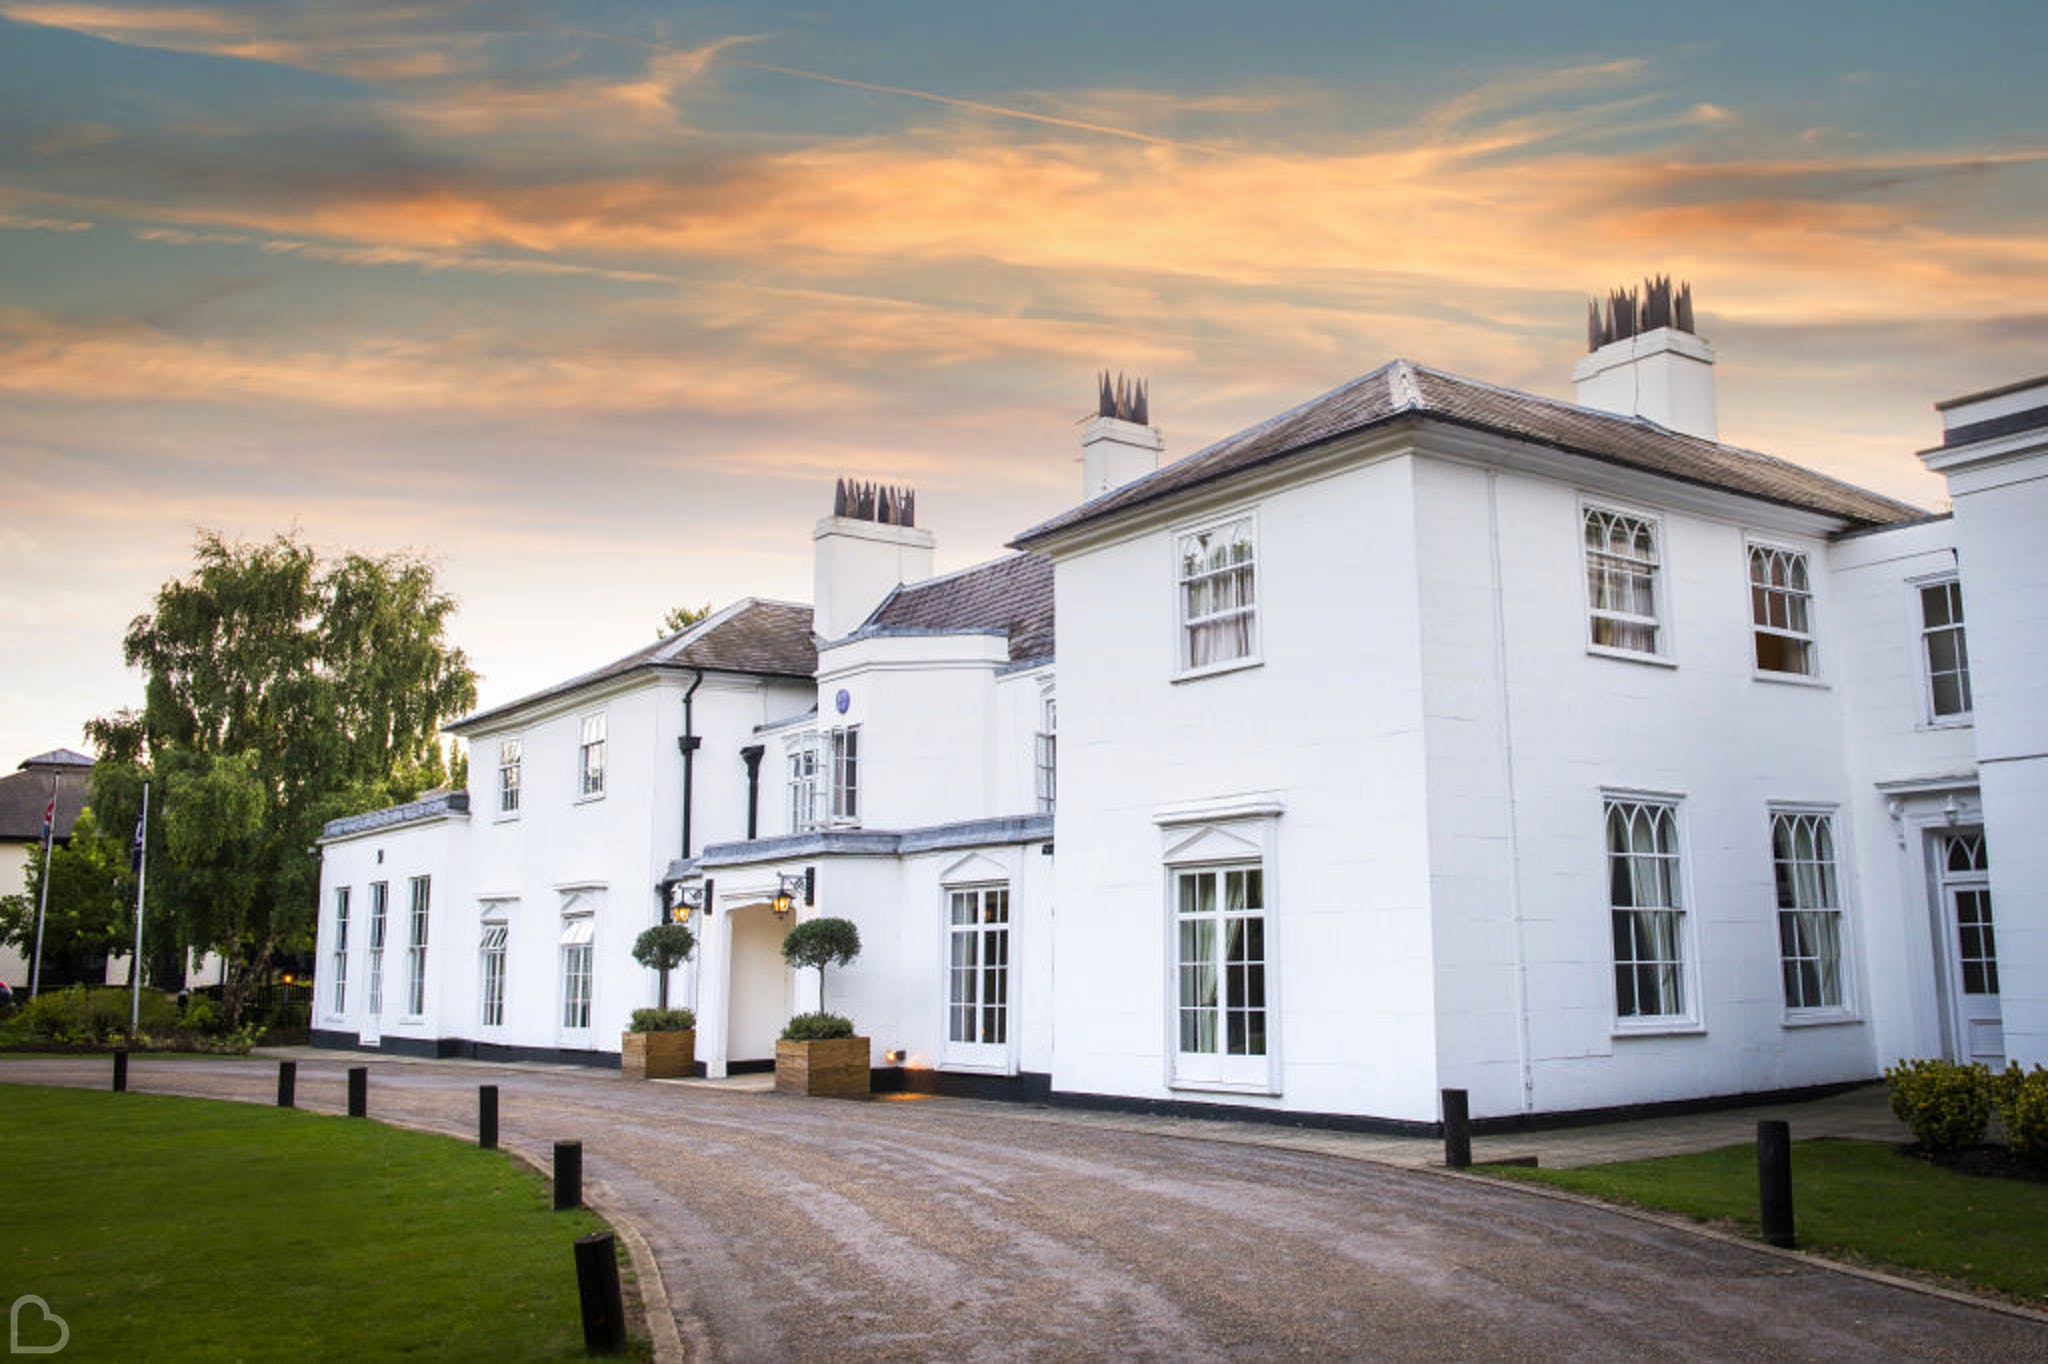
point(1965, 721)
point(1821, 1018)
point(1631, 656)
point(587, 799)
point(1677, 1027)
point(1224, 1087)
point(1215, 669)
point(512, 818)
point(1792, 680)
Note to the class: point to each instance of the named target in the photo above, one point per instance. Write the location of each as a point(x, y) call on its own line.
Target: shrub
point(2023, 1101)
point(818, 1027)
point(201, 1014)
point(1946, 1106)
point(78, 1016)
point(663, 1020)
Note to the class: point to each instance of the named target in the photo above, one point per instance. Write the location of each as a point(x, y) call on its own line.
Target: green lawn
point(1854, 1200)
point(168, 1228)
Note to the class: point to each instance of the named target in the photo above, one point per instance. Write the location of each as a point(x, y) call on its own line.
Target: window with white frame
point(1647, 906)
point(511, 755)
point(1220, 970)
point(844, 747)
point(491, 993)
point(1781, 607)
point(380, 902)
point(803, 784)
point(1219, 615)
point(577, 936)
point(1622, 567)
point(1047, 757)
point(1809, 909)
point(1943, 646)
point(416, 951)
point(978, 974)
point(590, 757)
point(339, 999)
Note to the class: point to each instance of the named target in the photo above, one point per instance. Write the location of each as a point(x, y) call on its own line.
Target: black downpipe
point(751, 756)
point(688, 743)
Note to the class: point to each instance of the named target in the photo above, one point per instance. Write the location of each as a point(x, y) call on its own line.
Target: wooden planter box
point(835, 1068)
point(657, 1055)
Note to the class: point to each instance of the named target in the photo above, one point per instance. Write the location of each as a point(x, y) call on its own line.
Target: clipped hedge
point(663, 1020)
point(818, 1027)
point(1946, 1106)
point(2023, 1103)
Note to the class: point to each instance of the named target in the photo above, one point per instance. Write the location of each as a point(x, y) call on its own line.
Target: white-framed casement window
point(380, 904)
point(1804, 866)
point(416, 950)
point(1945, 651)
point(1624, 592)
point(578, 933)
point(978, 973)
point(511, 756)
point(842, 747)
point(1646, 904)
point(590, 758)
point(803, 784)
point(1218, 587)
point(1781, 609)
point(1046, 764)
point(338, 1000)
point(491, 975)
point(1220, 1018)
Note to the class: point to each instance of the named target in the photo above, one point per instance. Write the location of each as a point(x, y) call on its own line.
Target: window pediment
point(1212, 843)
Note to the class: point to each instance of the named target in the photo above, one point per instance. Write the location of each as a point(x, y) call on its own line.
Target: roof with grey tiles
point(766, 638)
point(1012, 594)
point(1402, 390)
point(59, 757)
point(426, 807)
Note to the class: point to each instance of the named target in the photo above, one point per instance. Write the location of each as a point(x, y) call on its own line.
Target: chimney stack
point(1646, 361)
point(1118, 445)
point(868, 545)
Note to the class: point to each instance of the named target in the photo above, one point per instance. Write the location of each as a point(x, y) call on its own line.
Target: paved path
point(791, 1229)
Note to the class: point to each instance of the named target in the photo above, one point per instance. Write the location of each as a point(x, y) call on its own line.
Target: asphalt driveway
point(793, 1229)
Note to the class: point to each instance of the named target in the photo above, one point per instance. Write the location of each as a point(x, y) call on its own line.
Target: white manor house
point(1430, 734)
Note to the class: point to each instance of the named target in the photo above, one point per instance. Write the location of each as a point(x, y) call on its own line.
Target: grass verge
point(1855, 1200)
point(170, 1228)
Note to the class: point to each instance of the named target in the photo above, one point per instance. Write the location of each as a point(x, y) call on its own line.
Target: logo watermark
point(39, 1326)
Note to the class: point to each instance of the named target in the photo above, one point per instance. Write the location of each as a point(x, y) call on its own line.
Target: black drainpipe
point(751, 756)
point(688, 743)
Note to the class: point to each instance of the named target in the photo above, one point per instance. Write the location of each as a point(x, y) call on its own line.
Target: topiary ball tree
point(821, 943)
point(663, 948)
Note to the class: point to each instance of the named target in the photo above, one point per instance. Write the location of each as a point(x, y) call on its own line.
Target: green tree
point(280, 694)
point(663, 948)
point(821, 943)
point(92, 897)
point(680, 618)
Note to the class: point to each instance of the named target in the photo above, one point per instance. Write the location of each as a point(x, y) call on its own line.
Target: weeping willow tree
point(280, 693)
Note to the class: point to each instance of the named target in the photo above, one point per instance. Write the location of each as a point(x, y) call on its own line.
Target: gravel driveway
point(793, 1229)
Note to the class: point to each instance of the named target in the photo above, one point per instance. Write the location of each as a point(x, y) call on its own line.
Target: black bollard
point(597, 1286)
point(1774, 1181)
point(358, 1091)
point(568, 1175)
point(487, 1117)
point(121, 1071)
point(1457, 1129)
point(287, 1083)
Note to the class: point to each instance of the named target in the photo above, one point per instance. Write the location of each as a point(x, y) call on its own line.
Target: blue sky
point(592, 303)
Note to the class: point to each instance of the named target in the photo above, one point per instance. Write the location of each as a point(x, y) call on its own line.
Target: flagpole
point(141, 873)
point(35, 975)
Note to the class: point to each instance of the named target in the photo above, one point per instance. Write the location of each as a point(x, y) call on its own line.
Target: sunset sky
point(592, 302)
